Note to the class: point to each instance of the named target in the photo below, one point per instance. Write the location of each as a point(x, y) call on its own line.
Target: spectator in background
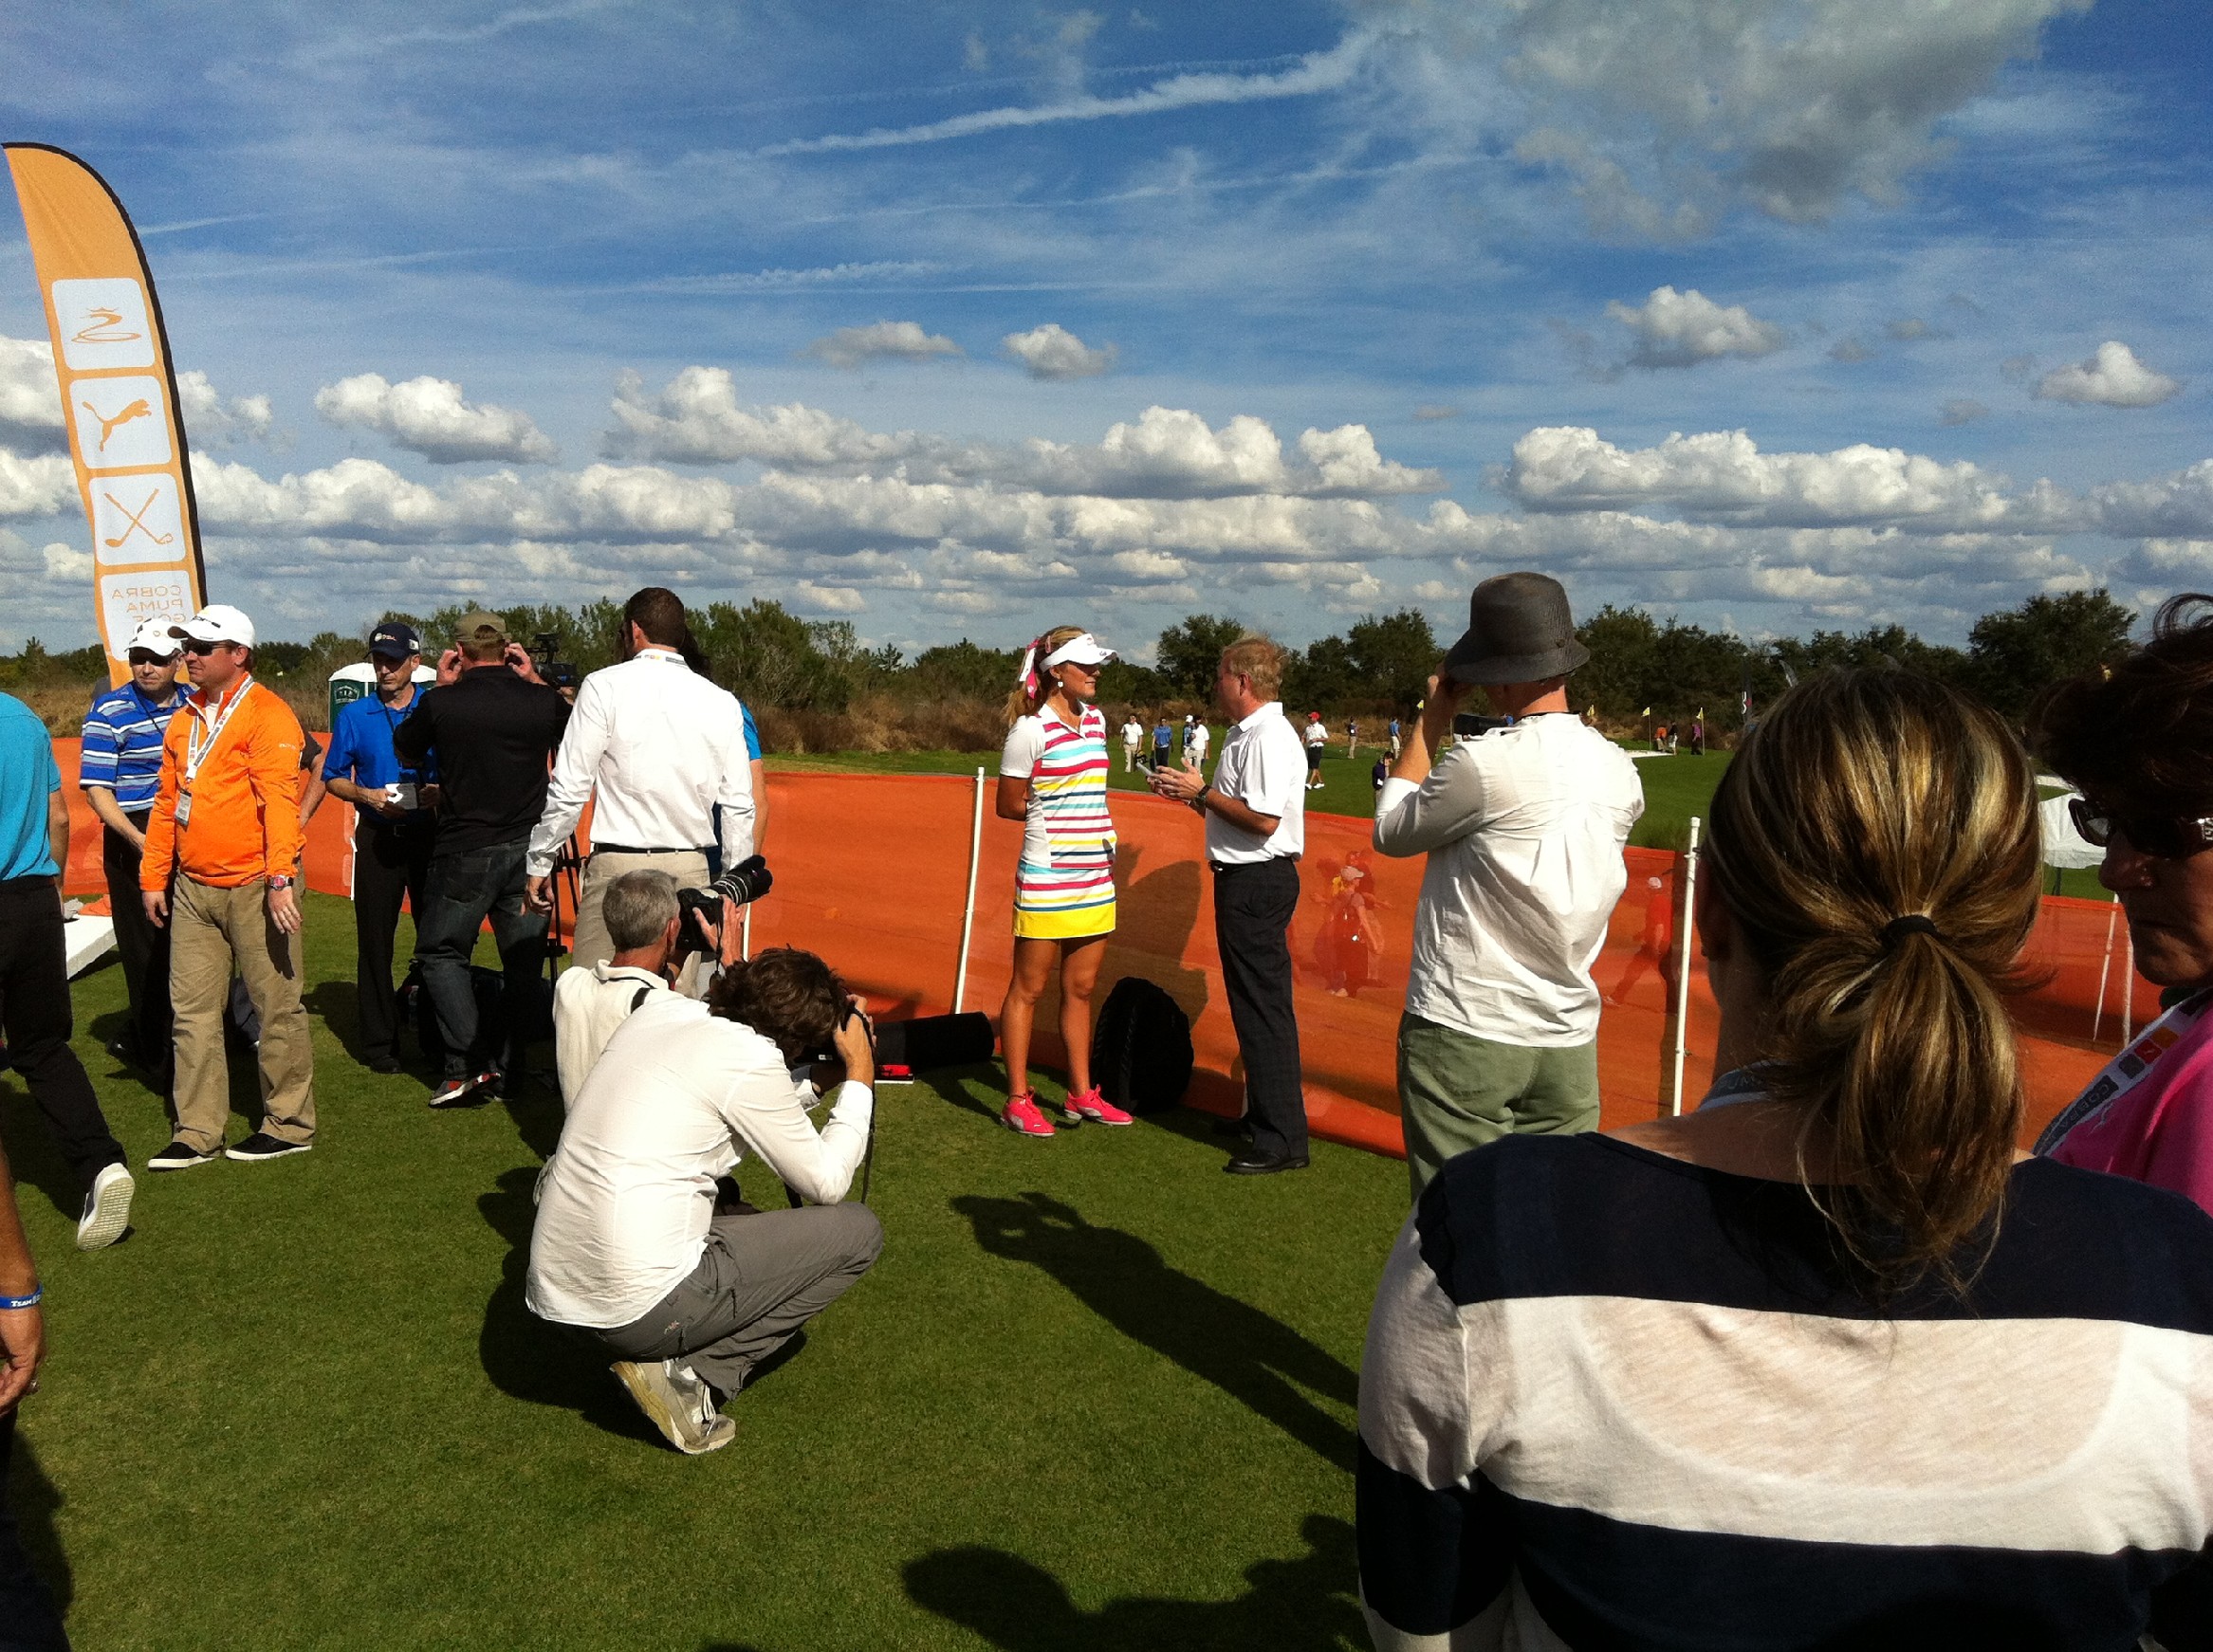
point(1378, 774)
point(657, 749)
point(1352, 738)
point(1698, 734)
point(493, 724)
point(1195, 744)
point(1133, 738)
point(1392, 753)
point(1317, 736)
point(1163, 738)
point(27, 1617)
point(1920, 1391)
point(2136, 739)
point(221, 873)
point(119, 772)
point(36, 1018)
point(1523, 828)
point(393, 828)
point(1255, 811)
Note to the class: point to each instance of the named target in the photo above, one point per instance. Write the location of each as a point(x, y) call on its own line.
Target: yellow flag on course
point(118, 394)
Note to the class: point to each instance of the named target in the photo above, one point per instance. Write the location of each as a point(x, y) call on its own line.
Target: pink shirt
point(2148, 1114)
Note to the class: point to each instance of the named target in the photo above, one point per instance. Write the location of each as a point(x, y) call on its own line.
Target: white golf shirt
point(678, 1097)
point(1524, 827)
point(1264, 767)
point(656, 748)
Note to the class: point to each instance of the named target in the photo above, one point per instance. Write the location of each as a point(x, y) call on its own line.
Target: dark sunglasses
point(2162, 836)
point(146, 657)
point(201, 648)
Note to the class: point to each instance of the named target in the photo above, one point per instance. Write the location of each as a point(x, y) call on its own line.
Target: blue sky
point(965, 320)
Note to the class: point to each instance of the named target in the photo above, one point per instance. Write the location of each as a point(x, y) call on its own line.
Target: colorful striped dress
point(1065, 886)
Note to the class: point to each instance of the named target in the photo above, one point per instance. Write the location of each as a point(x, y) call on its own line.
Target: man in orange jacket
point(225, 824)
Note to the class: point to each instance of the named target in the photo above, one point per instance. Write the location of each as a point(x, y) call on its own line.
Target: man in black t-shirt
point(494, 726)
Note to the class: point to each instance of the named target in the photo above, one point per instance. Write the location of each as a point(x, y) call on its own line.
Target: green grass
point(1094, 1395)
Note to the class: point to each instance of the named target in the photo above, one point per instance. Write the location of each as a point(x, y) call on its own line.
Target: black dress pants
point(28, 1620)
point(1252, 919)
point(392, 858)
point(144, 951)
point(35, 1017)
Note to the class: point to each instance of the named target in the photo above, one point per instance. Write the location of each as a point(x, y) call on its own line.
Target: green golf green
point(1095, 1394)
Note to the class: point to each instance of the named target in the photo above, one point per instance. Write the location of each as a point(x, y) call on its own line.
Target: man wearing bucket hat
point(1524, 827)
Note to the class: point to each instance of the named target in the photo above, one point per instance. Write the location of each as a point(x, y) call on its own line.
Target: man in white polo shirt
point(1524, 827)
point(656, 748)
point(1255, 809)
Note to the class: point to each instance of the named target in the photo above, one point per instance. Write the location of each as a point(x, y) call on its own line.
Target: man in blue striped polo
point(119, 772)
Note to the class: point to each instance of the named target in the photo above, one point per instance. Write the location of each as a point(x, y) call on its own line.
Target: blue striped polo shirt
point(122, 744)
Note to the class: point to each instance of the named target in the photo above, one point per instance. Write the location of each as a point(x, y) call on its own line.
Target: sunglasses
point(2162, 836)
point(146, 657)
point(192, 647)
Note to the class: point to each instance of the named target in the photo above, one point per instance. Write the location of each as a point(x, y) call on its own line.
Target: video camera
point(545, 647)
point(744, 884)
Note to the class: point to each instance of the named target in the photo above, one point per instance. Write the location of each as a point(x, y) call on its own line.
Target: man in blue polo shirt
point(119, 771)
point(393, 830)
point(35, 1015)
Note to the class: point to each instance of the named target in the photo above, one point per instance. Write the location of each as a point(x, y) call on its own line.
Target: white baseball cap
point(217, 622)
point(154, 636)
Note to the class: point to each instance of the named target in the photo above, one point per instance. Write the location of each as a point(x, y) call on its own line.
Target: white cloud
point(2111, 377)
point(430, 416)
point(30, 399)
point(213, 420)
point(66, 562)
point(1053, 352)
point(1681, 329)
point(849, 347)
point(37, 485)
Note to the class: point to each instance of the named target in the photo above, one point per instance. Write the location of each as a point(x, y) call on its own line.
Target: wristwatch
point(280, 882)
point(1199, 797)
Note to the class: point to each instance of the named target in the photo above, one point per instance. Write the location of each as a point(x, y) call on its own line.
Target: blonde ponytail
point(1877, 843)
point(1032, 686)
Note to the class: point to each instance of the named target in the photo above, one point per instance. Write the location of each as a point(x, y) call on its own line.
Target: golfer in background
point(1133, 738)
point(1317, 736)
point(1053, 779)
point(1523, 828)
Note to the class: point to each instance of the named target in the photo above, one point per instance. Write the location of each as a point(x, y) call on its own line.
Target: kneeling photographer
point(630, 1243)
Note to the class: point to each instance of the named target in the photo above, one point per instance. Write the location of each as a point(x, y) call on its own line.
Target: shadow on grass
point(1306, 1605)
point(31, 1153)
point(547, 1365)
point(1252, 1358)
point(30, 1505)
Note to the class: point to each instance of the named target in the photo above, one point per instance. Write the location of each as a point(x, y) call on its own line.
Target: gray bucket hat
point(1519, 631)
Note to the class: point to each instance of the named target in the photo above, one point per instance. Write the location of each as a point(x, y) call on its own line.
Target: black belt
point(625, 849)
point(1221, 866)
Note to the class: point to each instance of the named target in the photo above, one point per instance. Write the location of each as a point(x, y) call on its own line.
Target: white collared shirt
point(1263, 766)
point(1524, 827)
point(678, 1099)
point(656, 748)
point(588, 1005)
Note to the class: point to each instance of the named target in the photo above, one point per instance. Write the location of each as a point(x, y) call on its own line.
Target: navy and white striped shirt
point(122, 744)
point(1612, 1399)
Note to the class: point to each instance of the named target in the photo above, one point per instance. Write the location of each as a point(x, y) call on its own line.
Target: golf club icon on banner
point(112, 360)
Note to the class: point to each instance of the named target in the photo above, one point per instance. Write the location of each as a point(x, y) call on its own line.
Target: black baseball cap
point(394, 641)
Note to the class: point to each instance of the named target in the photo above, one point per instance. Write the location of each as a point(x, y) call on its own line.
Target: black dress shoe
point(1257, 1164)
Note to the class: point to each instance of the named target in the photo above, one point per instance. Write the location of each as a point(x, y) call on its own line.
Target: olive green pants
point(1457, 1091)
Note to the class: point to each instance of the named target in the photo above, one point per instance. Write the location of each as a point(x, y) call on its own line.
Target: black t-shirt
point(493, 734)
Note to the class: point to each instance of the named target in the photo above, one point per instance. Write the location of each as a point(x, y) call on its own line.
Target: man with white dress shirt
point(656, 748)
point(1524, 827)
point(644, 922)
point(1255, 809)
point(630, 1243)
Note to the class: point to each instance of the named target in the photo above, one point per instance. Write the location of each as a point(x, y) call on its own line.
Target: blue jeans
point(464, 890)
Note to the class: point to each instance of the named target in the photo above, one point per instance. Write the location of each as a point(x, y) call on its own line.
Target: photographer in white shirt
point(630, 1243)
point(656, 748)
point(644, 921)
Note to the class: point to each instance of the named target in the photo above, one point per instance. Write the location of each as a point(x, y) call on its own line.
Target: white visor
point(1077, 650)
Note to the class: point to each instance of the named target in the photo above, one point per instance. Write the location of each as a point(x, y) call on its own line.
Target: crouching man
point(630, 1244)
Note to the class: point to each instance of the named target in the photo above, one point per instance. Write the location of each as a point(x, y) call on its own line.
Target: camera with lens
point(1468, 724)
point(744, 884)
point(544, 650)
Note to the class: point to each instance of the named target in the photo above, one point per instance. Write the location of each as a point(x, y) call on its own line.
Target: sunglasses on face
point(2162, 836)
point(201, 648)
point(143, 657)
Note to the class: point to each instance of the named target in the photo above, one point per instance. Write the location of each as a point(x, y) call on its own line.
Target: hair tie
point(1912, 923)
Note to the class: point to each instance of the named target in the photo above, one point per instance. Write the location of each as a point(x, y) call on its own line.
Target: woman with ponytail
point(1053, 778)
point(1827, 1362)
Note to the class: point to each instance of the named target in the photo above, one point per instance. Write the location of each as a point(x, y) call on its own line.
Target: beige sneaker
point(677, 1403)
point(107, 1209)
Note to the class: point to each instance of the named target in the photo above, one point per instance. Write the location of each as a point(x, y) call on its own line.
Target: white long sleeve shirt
point(661, 747)
point(678, 1097)
point(1523, 828)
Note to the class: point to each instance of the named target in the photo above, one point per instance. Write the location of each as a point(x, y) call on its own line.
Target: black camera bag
point(931, 1041)
point(1141, 1048)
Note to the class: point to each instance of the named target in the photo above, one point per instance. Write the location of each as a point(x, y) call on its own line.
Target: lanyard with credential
point(200, 735)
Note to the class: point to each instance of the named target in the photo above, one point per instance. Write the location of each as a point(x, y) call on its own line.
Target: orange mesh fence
point(872, 873)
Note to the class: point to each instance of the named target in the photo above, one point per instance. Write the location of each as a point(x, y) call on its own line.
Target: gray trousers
point(763, 1275)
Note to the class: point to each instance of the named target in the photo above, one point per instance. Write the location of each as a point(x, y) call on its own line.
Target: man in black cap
point(1523, 826)
point(392, 829)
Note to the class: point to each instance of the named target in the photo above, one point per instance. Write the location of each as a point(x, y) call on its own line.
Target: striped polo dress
point(1065, 886)
point(1611, 1400)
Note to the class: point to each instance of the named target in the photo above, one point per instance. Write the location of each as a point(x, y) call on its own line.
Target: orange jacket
point(243, 821)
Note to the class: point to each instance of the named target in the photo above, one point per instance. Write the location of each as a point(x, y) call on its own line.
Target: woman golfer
point(1053, 778)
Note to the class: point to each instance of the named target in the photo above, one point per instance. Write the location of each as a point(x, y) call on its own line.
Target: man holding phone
point(393, 830)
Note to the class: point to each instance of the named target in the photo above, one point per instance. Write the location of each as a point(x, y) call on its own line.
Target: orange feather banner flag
point(118, 394)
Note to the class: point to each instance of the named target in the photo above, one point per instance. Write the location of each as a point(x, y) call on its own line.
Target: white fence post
point(1688, 923)
point(960, 982)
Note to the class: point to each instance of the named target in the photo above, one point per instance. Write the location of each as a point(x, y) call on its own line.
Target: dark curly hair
point(2138, 736)
point(791, 998)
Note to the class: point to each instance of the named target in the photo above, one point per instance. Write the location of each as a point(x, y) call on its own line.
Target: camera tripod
point(567, 868)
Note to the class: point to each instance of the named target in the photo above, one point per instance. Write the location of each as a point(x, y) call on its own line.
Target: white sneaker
point(107, 1209)
point(677, 1403)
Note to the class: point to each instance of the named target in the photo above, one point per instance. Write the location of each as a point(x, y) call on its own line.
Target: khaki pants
point(591, 943)
point(1458, 1091)
point(210, 929)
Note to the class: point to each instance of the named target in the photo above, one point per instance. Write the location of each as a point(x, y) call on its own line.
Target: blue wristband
point(29, 1301)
